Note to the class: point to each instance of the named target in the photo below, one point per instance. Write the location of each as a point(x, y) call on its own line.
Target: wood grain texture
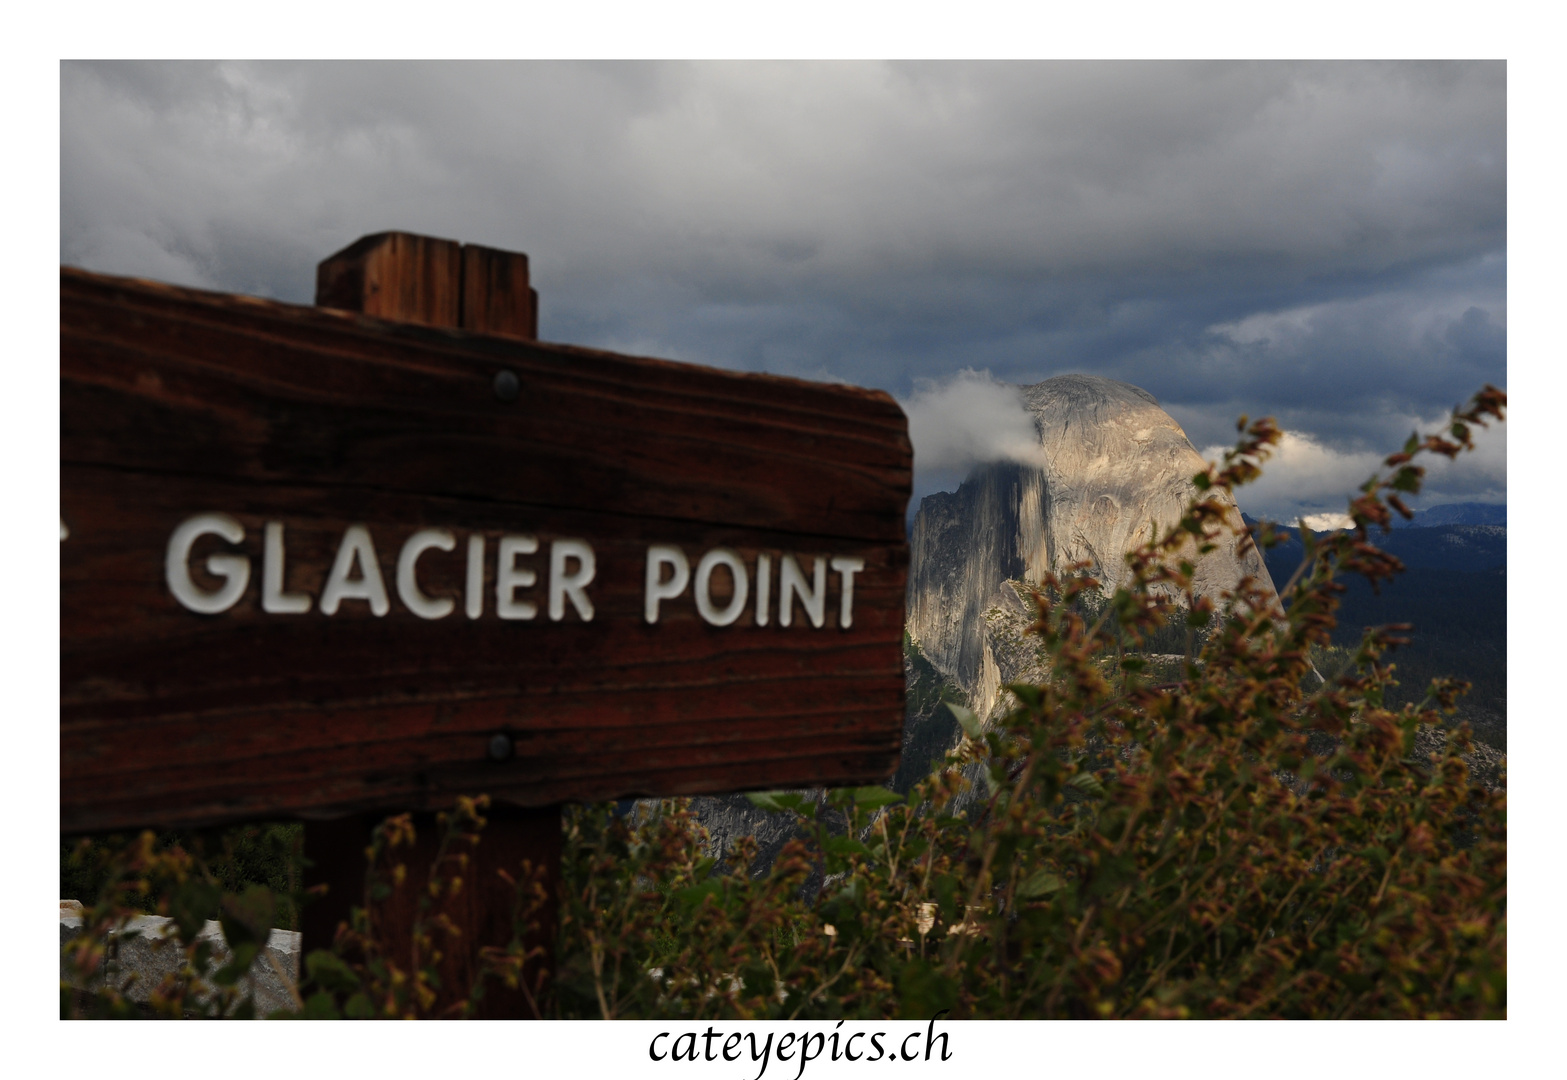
point(176, 402)
point(496, 298)
point(421, 279)
point(395, 275)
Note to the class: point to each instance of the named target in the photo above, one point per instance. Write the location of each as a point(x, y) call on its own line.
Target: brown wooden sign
point(314, 562)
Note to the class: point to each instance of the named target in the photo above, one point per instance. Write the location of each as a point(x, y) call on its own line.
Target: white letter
point(764, 587)
point(791, 583)
point(274, 601)
point(235, 569)
point(356, 547)
point(509, 578)
point(475, 606)
point(575, 585)
point(407, 581)
point(846, 568)
point(659, 556)
point(704, 581)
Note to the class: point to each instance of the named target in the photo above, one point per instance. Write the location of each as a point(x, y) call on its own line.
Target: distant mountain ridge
point(1466, 513)
point(1453, 592)
point(1469, 548)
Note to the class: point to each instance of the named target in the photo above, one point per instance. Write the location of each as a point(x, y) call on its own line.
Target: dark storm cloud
point(1324, 242)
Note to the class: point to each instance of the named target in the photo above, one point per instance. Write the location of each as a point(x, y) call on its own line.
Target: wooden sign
point(313, 562)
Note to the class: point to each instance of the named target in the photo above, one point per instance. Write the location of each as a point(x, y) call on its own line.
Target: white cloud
point(1326, 522)
point(967, 420)
point(749, 178)
point(1305, 478)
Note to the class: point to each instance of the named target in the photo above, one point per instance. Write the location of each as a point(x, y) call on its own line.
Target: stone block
point(145, 959)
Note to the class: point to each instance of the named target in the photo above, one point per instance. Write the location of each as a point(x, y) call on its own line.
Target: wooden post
point(482, 910)
point(397, 276)
point(496, 297)
point(407, 278)
point(420, 279)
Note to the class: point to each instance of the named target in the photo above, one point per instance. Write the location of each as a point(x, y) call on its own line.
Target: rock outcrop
point(150, 951)
point(1114, 469)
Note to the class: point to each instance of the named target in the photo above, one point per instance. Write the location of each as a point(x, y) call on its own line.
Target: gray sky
point(1325, 243)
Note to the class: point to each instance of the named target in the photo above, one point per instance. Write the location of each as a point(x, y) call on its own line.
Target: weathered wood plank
point(162, 382)
point(496, 298)
point(178, 403)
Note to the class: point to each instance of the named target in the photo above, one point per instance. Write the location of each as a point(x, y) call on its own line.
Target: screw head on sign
point(507, 385)
point(500, 746)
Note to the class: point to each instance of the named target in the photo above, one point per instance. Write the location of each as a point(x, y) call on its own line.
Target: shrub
point(1252, 841)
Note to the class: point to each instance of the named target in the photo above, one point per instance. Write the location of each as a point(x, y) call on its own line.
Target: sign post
point(327, 564)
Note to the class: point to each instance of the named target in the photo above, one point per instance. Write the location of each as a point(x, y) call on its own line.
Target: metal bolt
point(500, 746)
point(507, 385)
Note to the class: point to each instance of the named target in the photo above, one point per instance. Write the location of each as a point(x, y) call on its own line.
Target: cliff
point(1114, 469)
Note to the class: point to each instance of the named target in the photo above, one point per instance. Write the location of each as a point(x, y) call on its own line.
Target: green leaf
point(1114, 872)
point(245, 954)
point(845, 845)
point(945, 887)
point(320, 1007)
point(691, 897)
point(1039, 883)
point(973, 727)
point(1027, 693)
point(248, 917)
point(327, 971)
point(192, 904)
point(924, 990)
point(1408, 478)
point(875, 797)
point(777, 801)
point(767, 800)
point(358, 1007)
point(1087, 783)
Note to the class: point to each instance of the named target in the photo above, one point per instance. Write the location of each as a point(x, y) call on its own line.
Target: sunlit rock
point(1114, 471)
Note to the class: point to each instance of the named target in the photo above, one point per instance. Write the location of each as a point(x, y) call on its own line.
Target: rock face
point(153, 952)
point(1114, 468)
